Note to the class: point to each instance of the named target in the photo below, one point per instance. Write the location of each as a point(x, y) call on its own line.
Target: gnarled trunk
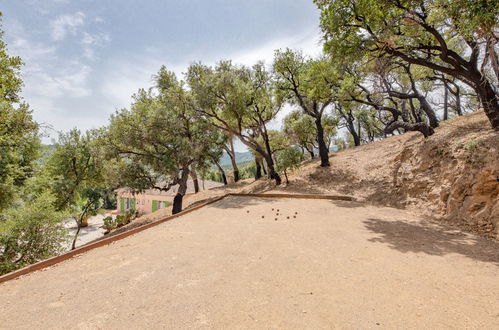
point(310, 151)
point(195, 181)
point(323, 152)
point(420, 127)
point(182, 188)
point(489, 101)
point(232, 155)
point(446, 101)
point(258, 173)
point(78, 224)
point(428, 110)
point(272, 172)
point(268, 158)
point(222, 172)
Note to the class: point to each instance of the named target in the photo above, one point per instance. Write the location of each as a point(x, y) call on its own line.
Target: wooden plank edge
point(302, 196)
point(95, 244)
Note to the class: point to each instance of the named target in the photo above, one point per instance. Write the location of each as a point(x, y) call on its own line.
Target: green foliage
point(161, 138)
point(213, 175)
point(109, 223)
point(19, 141)
point(76, 170)
point(472, 145)
point(120, 220)
point(288, 159)
point(248, 171)
point(303, 81)
point(300, 129)
point(31, 231)
point(10, 74)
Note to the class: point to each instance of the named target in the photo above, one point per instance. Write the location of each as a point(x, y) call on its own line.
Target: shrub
point(109, 223)
point(31, 232)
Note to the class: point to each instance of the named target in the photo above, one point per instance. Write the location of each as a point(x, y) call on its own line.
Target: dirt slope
point(452, 176)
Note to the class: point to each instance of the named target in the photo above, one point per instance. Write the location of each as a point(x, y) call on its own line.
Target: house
point(151, 200)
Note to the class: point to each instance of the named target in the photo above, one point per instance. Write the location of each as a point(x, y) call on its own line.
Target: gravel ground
point(336, 265)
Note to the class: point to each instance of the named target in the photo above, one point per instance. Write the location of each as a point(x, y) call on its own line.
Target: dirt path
point(336, 265)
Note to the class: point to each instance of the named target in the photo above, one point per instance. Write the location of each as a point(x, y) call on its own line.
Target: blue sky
point(85, 58)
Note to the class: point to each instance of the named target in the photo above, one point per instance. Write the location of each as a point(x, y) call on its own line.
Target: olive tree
point(76, 171)
point(308, 84)
point(238, 100)
point(453, 37)
point(19, 137)
point(159, 138)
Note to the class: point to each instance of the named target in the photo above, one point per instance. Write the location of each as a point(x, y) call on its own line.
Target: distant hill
point(241, 157)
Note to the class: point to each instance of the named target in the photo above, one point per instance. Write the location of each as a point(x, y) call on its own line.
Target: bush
point(109, 223)
point(31, 232)
point(120, 220)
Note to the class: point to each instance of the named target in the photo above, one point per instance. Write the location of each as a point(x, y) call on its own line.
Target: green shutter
point(132, 206)
point(122, 204)
point(154, 205)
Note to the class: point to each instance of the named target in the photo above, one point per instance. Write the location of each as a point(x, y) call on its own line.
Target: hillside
point(241, 158)
point(452, 176)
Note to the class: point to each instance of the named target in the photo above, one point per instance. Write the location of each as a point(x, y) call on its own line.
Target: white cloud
point(90, 41)
point(124, 78)
point(70, 82)
point(65, 24)
point(309, 42)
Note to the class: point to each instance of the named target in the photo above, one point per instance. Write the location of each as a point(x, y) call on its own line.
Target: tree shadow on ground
point(237, 202)
point(347, 204)
point(432, 239)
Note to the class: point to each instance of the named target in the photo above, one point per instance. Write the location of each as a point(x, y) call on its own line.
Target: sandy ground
point(336, 265)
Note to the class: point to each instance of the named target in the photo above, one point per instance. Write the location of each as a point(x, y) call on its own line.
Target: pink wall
point(143, 202)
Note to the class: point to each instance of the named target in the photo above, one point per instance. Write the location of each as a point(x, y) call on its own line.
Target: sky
point(84, 59)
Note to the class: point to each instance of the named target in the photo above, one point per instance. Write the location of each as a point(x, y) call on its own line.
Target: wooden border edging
point(92, 245)
point(106, 241)
point(302, 196)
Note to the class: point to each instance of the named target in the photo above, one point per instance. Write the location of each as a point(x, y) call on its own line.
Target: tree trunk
point(420, 127)
point(323, 152)
point(457, 95)
point(446, 101)
point(311, 152)
point(222, 172)
point(258, 173)
point(78, 224)
point(286, 176)
point(195, 181)
point(232, 155)
point(272, 172)
point(264, 169)
point(270, 161)
point(489, 102)
point(428, 110)
point(182, 188)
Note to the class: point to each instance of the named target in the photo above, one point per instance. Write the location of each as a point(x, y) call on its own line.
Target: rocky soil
point(452, 176)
